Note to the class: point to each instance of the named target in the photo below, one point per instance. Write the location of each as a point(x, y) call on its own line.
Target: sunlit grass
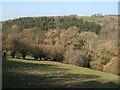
point(31, 73)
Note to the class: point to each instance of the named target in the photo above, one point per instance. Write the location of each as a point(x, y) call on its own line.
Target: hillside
point(88, 41)
point(18, 73)
point(54, 22)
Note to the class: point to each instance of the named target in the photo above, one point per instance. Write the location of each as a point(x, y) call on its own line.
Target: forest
point(85, 41)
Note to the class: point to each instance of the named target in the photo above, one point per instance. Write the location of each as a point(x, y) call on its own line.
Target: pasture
point(19, 73)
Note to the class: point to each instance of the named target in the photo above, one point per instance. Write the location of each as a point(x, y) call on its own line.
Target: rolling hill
point(18, 73)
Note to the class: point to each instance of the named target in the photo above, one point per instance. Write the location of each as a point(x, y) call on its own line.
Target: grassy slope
point(28, 73)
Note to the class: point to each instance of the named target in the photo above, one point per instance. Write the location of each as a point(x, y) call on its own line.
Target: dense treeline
point(67, 39)
point(46, 23)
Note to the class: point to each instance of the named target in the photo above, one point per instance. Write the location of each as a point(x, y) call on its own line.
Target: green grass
point(18, 73)
point(99, 19)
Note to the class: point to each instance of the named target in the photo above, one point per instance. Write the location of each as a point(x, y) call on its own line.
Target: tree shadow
point(80, 76)
point(57, 80)
point(14, 80)
point(96, 84)
point(21, 65)
point(30, 59)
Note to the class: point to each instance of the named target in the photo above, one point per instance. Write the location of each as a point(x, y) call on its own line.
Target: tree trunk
point(88, 65)
point(13, 56)
point(4, 55)
point(35, 58)
point(23, 56)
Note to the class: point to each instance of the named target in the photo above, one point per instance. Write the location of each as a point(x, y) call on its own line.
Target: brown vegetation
point(112, 66)
point(71, 44)
point(96, 65)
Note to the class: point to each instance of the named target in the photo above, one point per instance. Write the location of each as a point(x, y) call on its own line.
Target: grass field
point(18, 73)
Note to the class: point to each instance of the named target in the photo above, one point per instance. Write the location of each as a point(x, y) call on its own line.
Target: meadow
point(20, 73)
point(64, 52)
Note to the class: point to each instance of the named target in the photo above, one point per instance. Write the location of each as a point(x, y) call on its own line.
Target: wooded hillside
point(90, 42)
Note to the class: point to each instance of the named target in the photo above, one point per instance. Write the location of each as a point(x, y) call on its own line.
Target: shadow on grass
point(6, 65)
point(12, 80)
point(96, 84)
point(23, 80)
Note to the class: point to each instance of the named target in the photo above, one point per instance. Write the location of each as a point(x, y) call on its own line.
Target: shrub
point(47, 52)
point(18, 56)
point(36, 51)
point(96, 65)
point(104, 60)
point(12, 53)
point(53, 53)
point(112, 66)
point(56, 56)
point(79, 44)
point(76, 57)
point(90, 39)
point(21, 46)
point(103, 56)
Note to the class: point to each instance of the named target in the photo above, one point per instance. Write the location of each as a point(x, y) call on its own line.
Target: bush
point(103, 56)
point(18, 56)
point(104, 60)
point(104, 50)
point(12, 53)
point(112, 66)
point(56, 56)
point(53, 53)
point(21, 46)
point(76, 57)
point(36, 51)
point(41, 51)
point(47, 52)
point(96, 65)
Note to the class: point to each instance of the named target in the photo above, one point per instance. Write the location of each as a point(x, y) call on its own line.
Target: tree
point(113, 66)
point(7, 38)
point(21, 46)
point(37, 51)
point(46, 23)
point(77, 57)
point(33, 35)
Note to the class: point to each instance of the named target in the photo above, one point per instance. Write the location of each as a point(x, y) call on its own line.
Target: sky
point(11, 10)
point(60, 0)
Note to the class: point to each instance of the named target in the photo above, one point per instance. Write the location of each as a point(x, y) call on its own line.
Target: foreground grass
point(18, 73)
